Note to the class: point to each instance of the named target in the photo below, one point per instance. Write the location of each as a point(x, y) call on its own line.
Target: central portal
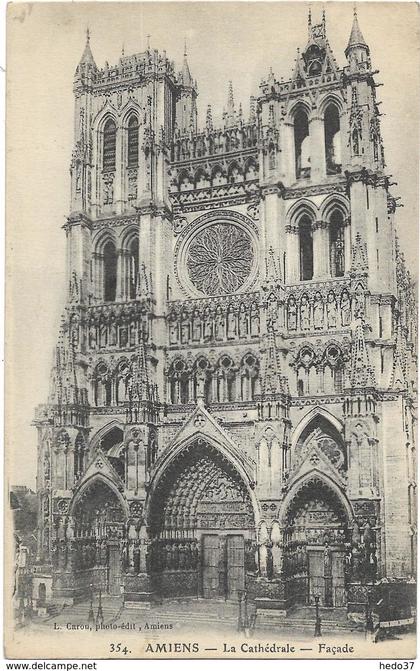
point(202, 521)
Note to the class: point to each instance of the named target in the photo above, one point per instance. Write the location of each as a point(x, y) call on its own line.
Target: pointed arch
point(334, 202)
point(217, 172)
point(108, 111)
point(201, 179)
point(331, 98)
point(250, 169)
point(101, 239)
point(104, 479)
point(316, 413)
point(302, 216)
point(300, 208)
point(328, 482)
point(98, 437)
point(167, 459)
point(185, 181)
point(232, 178)
point(294, 107)
point(130, 265)
point(128, 235)
point(131, 107)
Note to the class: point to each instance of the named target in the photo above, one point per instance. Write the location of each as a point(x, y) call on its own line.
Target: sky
point(225, 41)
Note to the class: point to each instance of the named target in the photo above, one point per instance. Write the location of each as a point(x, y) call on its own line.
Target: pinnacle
point(230, 103)
point(209, 118)
point(187, 80)
point(356, 38)
point(87, 56)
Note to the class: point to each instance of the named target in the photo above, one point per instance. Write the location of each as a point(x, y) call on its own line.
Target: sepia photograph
point(211, 330)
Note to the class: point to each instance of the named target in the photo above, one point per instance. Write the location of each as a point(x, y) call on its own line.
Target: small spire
point(272, 382)
point(231, 103)
point(356, 38)
point(230, 115)
point(187, 80)
point(87, 57)
point(309, 21)
point(122, 50)
point(252, 111)
point(148, 41)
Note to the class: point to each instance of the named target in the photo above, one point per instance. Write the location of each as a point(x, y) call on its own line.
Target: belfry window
point(337, 244)
point(134, 266)
point(313, 58)
point(332, 140)
point(302, 151)
point(110, 272)
point(306, 249)
point(133, 142)
point(109, 146)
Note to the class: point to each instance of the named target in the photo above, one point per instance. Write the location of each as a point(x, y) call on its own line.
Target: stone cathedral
point(233, 390)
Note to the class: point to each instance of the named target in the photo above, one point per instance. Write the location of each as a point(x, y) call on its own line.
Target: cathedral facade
point(233, 391)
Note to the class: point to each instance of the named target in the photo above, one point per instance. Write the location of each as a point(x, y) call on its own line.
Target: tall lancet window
point(337, 244)
point(332, 140)
point(109, 146)
point(110, 272)
point(134, 266)
point(306, 249)
point(302, 150)
point(133, 142)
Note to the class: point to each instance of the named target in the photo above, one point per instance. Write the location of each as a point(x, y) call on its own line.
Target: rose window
point(220, 259)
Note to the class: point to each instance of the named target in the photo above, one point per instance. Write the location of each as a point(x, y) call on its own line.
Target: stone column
point(120, 265)
point(119, 172)
point(347, 245)
point(97, 276)
point(287, 156)
point(317, 144)
point(293, 261)
point(321, 249)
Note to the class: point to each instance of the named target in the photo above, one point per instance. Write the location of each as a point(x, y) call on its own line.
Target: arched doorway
point(202, 525)
point(317, 539)
point(99, 521)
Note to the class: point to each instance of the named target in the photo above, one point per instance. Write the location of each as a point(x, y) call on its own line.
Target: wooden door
point(316, 575)
point(339, 588)
point(114, 576)
point(210, 549)
point(235, 566)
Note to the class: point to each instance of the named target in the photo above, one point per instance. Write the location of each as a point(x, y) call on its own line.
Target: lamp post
point(317, 631)
point(242, 611)
point(99, 614)
point(369, 619)
point(91, 616)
